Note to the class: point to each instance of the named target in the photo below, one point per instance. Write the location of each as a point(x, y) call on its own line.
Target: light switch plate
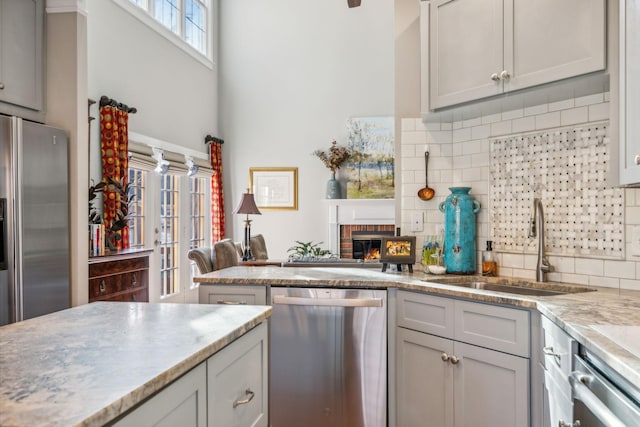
point(635, 240)
point(416, 221)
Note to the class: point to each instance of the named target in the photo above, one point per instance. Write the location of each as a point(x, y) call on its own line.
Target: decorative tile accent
point(567, 169)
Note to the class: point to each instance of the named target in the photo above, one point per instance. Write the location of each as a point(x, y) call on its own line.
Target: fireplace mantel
point(357, 212)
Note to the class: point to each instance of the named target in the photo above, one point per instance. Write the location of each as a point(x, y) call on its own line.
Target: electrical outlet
point(416, 221)
point(635, 240)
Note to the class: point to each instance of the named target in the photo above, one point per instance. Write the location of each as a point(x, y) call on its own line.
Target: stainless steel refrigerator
point(34, 220)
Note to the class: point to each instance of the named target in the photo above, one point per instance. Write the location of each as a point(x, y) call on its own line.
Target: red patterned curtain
point(114, 140)
point(217, 193)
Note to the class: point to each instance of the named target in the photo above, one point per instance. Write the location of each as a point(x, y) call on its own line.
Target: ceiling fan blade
point(353, 3)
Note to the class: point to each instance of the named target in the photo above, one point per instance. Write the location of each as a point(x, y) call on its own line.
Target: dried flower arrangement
point(334, 158)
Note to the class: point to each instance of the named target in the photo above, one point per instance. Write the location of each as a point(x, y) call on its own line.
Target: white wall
point(176, 95)
point(291, 74)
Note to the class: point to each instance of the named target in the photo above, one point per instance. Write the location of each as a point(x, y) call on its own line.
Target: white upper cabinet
point(629, 93)
point(474, 49)
point(21, 38)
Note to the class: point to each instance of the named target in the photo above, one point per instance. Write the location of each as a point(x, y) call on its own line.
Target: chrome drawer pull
point(563, 423)
point(102, 286)
point(220, 301)
point(239, 402)
point(548, 351)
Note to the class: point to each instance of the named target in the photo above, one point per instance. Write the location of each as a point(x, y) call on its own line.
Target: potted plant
point(123, 196)
point(306, 251)
point(333, 159)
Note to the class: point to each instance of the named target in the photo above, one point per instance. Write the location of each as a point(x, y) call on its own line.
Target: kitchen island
point(93, 363)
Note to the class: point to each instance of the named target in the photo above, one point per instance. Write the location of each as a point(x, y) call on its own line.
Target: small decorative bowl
point(437, 269)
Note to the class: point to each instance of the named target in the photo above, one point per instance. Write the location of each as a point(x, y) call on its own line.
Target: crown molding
point(67, 6)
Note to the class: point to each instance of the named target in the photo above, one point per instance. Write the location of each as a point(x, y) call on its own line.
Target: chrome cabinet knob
point(637, 159)
point(495, 77)
point(454, 360)
point(504, 75)
point(444, 357)
point(1, 86)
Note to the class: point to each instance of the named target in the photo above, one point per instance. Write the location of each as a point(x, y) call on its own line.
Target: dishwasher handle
point(581, 392)
point(328, 302)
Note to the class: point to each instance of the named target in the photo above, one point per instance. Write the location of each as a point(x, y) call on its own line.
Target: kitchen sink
point(514, 287)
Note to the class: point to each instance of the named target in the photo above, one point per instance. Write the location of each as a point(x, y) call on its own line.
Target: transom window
point(190, 20)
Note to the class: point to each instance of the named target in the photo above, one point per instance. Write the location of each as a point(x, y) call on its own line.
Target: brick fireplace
point(347, 216)
point(366, 236)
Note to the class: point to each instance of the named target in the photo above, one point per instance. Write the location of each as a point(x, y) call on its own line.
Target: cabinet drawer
point(499, 328)
point(114, 267)
point(426, 313)
point(557, 348)
point(235, 295)
point(108, 285)
point(237, 381)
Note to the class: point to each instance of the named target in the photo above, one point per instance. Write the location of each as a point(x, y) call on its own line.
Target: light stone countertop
point(599, 320)
point(89, 364)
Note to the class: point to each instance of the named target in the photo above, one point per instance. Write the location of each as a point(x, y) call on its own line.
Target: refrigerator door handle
point(3, 234)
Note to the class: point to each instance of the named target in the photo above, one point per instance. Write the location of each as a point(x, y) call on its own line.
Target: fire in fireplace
point(366, 244)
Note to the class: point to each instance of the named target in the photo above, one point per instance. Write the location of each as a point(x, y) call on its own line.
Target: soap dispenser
point(489, 265)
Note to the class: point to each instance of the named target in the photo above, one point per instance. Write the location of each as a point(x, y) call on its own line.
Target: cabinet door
point(181, 403)
point(21, 26)
point(465, 50)
point(550, 40)
point(424, 380)
point(629, 93)
point(490, 388)
point(557, 406)
point(238, 382)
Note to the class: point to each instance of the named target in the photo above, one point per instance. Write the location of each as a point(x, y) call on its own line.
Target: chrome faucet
point(537, 221)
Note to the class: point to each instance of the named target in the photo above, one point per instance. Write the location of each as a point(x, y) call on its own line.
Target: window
point(136, 208)
point(170, 214)
point(188, 21)
point(197, 239)
point(169, 235)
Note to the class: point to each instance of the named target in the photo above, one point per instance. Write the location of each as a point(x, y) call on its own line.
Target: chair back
point(258, 247)
point(224, 254)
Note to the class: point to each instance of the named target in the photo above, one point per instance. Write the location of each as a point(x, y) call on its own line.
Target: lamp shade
point(247, 205)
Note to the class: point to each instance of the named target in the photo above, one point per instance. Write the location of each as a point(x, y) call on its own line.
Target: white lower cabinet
point(182, 403)
point(442, 381)
point(237, 384)
point(227, 390)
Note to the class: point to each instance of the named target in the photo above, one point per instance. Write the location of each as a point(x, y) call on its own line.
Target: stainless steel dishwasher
point(328, 357)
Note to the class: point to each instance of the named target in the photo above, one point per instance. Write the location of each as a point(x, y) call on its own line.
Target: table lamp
point(247, 206)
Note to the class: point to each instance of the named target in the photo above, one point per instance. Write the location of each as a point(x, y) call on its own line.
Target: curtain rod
point(208, 139)
point(105, 100)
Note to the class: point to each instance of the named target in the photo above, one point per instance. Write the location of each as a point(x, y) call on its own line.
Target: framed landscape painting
point(370, 170)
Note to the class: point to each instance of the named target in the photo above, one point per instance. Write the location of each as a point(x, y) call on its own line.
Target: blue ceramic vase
point(333, 187)
point(460, 211)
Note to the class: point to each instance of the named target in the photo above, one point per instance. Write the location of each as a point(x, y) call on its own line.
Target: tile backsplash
point(507, 159)
point(566, 168)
